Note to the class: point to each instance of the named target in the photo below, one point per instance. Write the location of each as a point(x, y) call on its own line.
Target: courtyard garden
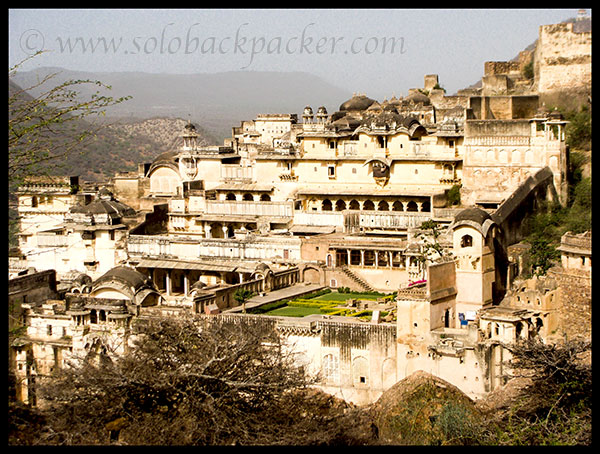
point(327, 302)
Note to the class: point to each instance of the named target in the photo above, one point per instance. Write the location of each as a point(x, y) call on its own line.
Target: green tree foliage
point(431, 249)
point(555, 408)
point(453, 195)
point(528, 70)
point(543, 255)
point(241, 296)
point(193, 381)
point(579, 128)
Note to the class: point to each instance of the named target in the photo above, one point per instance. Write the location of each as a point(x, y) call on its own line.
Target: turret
point(322, 115)
point(307, 115)
point(190, 137)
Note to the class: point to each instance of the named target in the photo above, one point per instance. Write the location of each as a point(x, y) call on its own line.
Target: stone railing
point(581, 241)
point(417, 292)
point(383, 220)
point(236, 172)
point(319, 218)
point(237, 208)
point(227, 248)
point(51, 240)
point(498, 140)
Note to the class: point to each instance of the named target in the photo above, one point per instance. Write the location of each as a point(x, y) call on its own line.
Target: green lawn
point(327, 301)
point(290, 311)
point(335, 296)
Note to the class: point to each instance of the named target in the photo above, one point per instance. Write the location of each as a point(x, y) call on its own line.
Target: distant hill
point(216, 102)
point(122, 145)
point(118, 146)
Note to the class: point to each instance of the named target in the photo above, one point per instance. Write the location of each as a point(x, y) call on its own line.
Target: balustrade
point(230, 207)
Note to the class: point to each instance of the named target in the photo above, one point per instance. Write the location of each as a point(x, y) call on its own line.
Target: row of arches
point(370, 205)
point(249, 197)
point(503, 156)
point(360, 371)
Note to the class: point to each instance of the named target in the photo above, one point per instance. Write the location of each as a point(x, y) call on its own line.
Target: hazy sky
point(380, 52)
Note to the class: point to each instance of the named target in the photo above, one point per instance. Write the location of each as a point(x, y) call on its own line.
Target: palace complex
point(290, 205)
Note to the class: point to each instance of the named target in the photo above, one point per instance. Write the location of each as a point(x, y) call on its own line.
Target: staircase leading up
point(357, 279)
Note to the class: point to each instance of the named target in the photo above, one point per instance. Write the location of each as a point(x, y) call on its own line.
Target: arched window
point(368, 205)
point(248, 197)
point(354, 205)
point(230, 196)
point(360, 370)
point(340, 205)
point(329, 260)
point(34, 202)
point(326, 205)
point(412, 206)
point(331, 368)
point(265, 198)
point(466, 241)
point(383, 206)
point(397, 206)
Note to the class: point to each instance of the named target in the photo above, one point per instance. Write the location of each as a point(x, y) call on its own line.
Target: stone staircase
point(357, 279)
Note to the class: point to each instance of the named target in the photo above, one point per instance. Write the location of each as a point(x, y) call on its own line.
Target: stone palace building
point(296, 204)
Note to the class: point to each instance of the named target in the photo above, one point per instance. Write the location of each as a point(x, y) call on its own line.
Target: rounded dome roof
point(357, 102)
point(474, 217)
point(190, 127)
point(262, 267)
point(124, 274)
point(418, 97)
point(111, 207)
point(168, 157)
point(474, 214)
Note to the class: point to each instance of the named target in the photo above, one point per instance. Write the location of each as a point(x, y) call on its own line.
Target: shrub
point(453, 195)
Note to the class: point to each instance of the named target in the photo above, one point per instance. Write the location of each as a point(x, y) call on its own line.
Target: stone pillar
point(376, 253)
point(362, 257)
point(348, 253)
point(186, 283)
point(168, 282)
point(224, 228)
point(208, 231)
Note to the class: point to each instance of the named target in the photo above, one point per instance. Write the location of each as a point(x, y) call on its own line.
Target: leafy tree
point(555, 407)
point(528, 72)
point(48, 127)
point(47, 130)
point(241, 296)
point(579, 129)
point(431, 249)
point(579, 218)
point(194, 381)
point(453, 195)
point(542, 255)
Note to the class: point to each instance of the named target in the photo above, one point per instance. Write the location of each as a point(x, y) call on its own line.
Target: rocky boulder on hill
point(425, 410)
